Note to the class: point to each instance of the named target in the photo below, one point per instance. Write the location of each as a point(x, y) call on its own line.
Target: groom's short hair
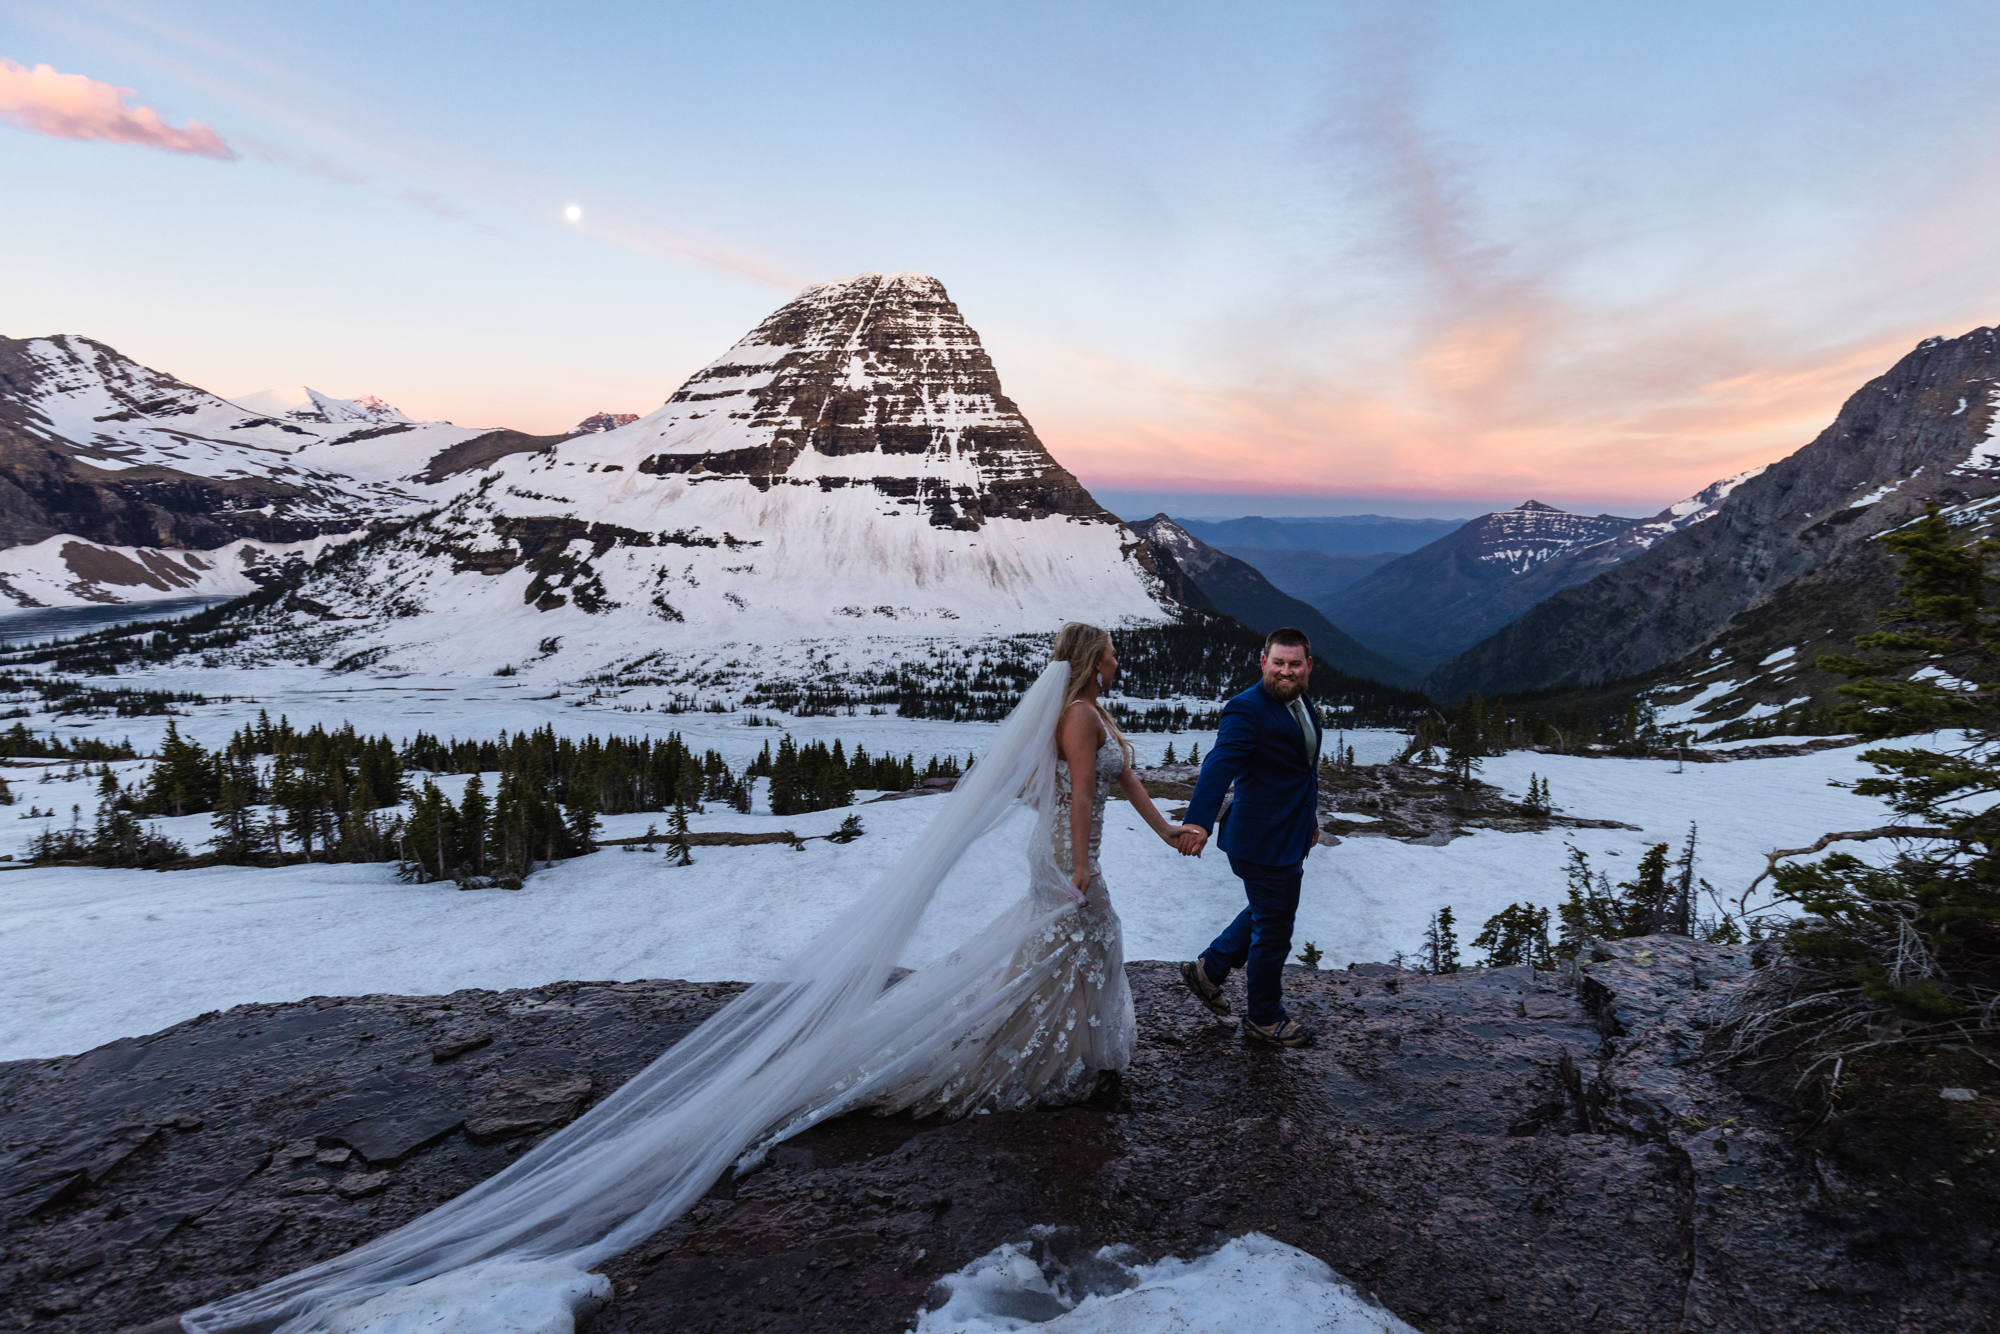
point(1290, 637)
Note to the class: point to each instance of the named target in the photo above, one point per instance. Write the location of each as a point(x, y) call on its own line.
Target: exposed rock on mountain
point(1487, 1150)
point(1800, 530)
point(598, 422)
point(97, 451)
point(1439, 599)
point(849, 469)
point(1236, 589)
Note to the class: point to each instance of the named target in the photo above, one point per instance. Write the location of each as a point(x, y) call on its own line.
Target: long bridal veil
point(826, 1033)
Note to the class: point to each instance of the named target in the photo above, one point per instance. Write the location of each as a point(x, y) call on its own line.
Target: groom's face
point(1286, 671)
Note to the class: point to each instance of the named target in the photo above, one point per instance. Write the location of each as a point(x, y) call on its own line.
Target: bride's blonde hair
point(1083, 646)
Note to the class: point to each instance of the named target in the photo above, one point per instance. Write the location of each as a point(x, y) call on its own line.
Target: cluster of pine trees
point(1663, 896)
point(332, 795)
point(1479, 728)
point(818, 777)
point(17, 742)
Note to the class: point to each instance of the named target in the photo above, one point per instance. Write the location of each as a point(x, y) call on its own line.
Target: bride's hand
point(1079, 885)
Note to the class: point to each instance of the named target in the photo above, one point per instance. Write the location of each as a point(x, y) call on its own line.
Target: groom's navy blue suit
point(1272, 822)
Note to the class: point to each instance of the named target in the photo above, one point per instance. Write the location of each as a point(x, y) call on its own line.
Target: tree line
point(277, 793)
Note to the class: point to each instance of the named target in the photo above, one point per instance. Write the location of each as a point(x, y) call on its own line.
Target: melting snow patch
point(1686, 710)
point(1873, 496)
point(1044, 1284)
point(1779, 656)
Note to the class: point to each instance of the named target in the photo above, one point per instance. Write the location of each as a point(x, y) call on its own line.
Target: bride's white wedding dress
point(1025, 1012)
point(1077, 1021)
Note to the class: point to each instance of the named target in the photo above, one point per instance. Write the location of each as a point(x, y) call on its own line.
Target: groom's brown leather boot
point(1284, 1033)
point(1204, 990)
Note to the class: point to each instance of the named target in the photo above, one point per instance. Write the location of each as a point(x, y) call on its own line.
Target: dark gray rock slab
point(1492, 1150)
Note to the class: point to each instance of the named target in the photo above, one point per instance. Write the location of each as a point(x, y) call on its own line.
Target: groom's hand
point(1192, 840)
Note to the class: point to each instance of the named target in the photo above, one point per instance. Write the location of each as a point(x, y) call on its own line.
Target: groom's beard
point(1285, 691)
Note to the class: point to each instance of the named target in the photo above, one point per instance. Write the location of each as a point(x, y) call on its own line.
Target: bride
point(1028, 1011)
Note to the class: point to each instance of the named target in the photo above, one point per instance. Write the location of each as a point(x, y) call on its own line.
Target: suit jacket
point(1275, 815)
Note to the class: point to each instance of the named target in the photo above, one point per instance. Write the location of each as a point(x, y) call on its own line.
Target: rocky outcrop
point(1917, 433)
point(483, 451)
point(46, 491)
point(882, 367)
point(1426, 606)
point(1492, 1150)
point(1237, 590)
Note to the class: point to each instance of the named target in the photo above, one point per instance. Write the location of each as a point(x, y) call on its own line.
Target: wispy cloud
point(73, 106)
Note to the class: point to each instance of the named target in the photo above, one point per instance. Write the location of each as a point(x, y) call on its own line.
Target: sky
point(1340, 257)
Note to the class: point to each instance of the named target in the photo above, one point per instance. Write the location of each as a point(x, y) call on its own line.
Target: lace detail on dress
point(1077, 1020)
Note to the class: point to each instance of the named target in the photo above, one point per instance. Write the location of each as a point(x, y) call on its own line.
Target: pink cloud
point(71, 106)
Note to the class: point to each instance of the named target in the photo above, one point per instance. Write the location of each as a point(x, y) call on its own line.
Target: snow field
point(89, 955)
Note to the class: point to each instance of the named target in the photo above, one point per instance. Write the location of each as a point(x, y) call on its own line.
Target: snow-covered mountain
point(301, 403)
point(850, 473)
point(98, 452)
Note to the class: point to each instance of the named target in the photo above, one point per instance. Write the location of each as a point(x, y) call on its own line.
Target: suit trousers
point(1260, 938)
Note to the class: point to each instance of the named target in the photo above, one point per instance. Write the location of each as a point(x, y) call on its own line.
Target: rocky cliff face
point(1441, 598)
point(1238, 590)
point(1487, 1151)
point(1918, 433)
point(100, 452)
point(875, 383)
point(849, 469)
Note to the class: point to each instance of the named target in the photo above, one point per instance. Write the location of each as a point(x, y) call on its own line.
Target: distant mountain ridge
point(1788, 547)
point(1238, 590)
point(1337, 534)
point(1311, 576)
point(1425, 606)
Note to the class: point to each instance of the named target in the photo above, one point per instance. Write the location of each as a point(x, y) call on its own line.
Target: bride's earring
point(1100, 680)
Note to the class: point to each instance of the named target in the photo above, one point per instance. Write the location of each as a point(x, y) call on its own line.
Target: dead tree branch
point(1851, 836)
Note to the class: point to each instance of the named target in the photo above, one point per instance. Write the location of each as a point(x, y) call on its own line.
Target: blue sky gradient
point(1395, 257)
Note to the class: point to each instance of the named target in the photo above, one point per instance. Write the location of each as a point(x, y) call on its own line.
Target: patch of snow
point(1251, 1281)
point(1779, 656)
point(1688, 711)
point(1872, 496)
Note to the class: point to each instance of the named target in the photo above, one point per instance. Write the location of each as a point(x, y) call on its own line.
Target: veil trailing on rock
point(826, 1033)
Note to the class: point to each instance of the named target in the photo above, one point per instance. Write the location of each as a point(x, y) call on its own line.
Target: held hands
point(1190, 839)
point(1079, 884)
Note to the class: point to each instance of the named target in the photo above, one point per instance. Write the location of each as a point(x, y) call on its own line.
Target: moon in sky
point(573, 213)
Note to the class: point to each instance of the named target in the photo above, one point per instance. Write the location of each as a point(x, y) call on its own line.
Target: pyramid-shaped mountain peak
point(876, 382)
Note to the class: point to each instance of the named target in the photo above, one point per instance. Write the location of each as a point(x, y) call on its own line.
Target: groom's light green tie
point(1305, 725)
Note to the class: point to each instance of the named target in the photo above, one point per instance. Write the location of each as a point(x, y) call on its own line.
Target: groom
point(1268, 744)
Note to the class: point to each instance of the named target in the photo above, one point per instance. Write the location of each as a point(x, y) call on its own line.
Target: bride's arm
point(1078, 742)
point(1135, 792)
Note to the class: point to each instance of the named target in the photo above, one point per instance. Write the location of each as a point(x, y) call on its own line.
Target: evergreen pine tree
point(1648, 896)
point(474, 820)
point(1440, 951)
point(678, 851)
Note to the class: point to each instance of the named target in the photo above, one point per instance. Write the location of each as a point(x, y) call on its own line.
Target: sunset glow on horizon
point(1427, 255)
